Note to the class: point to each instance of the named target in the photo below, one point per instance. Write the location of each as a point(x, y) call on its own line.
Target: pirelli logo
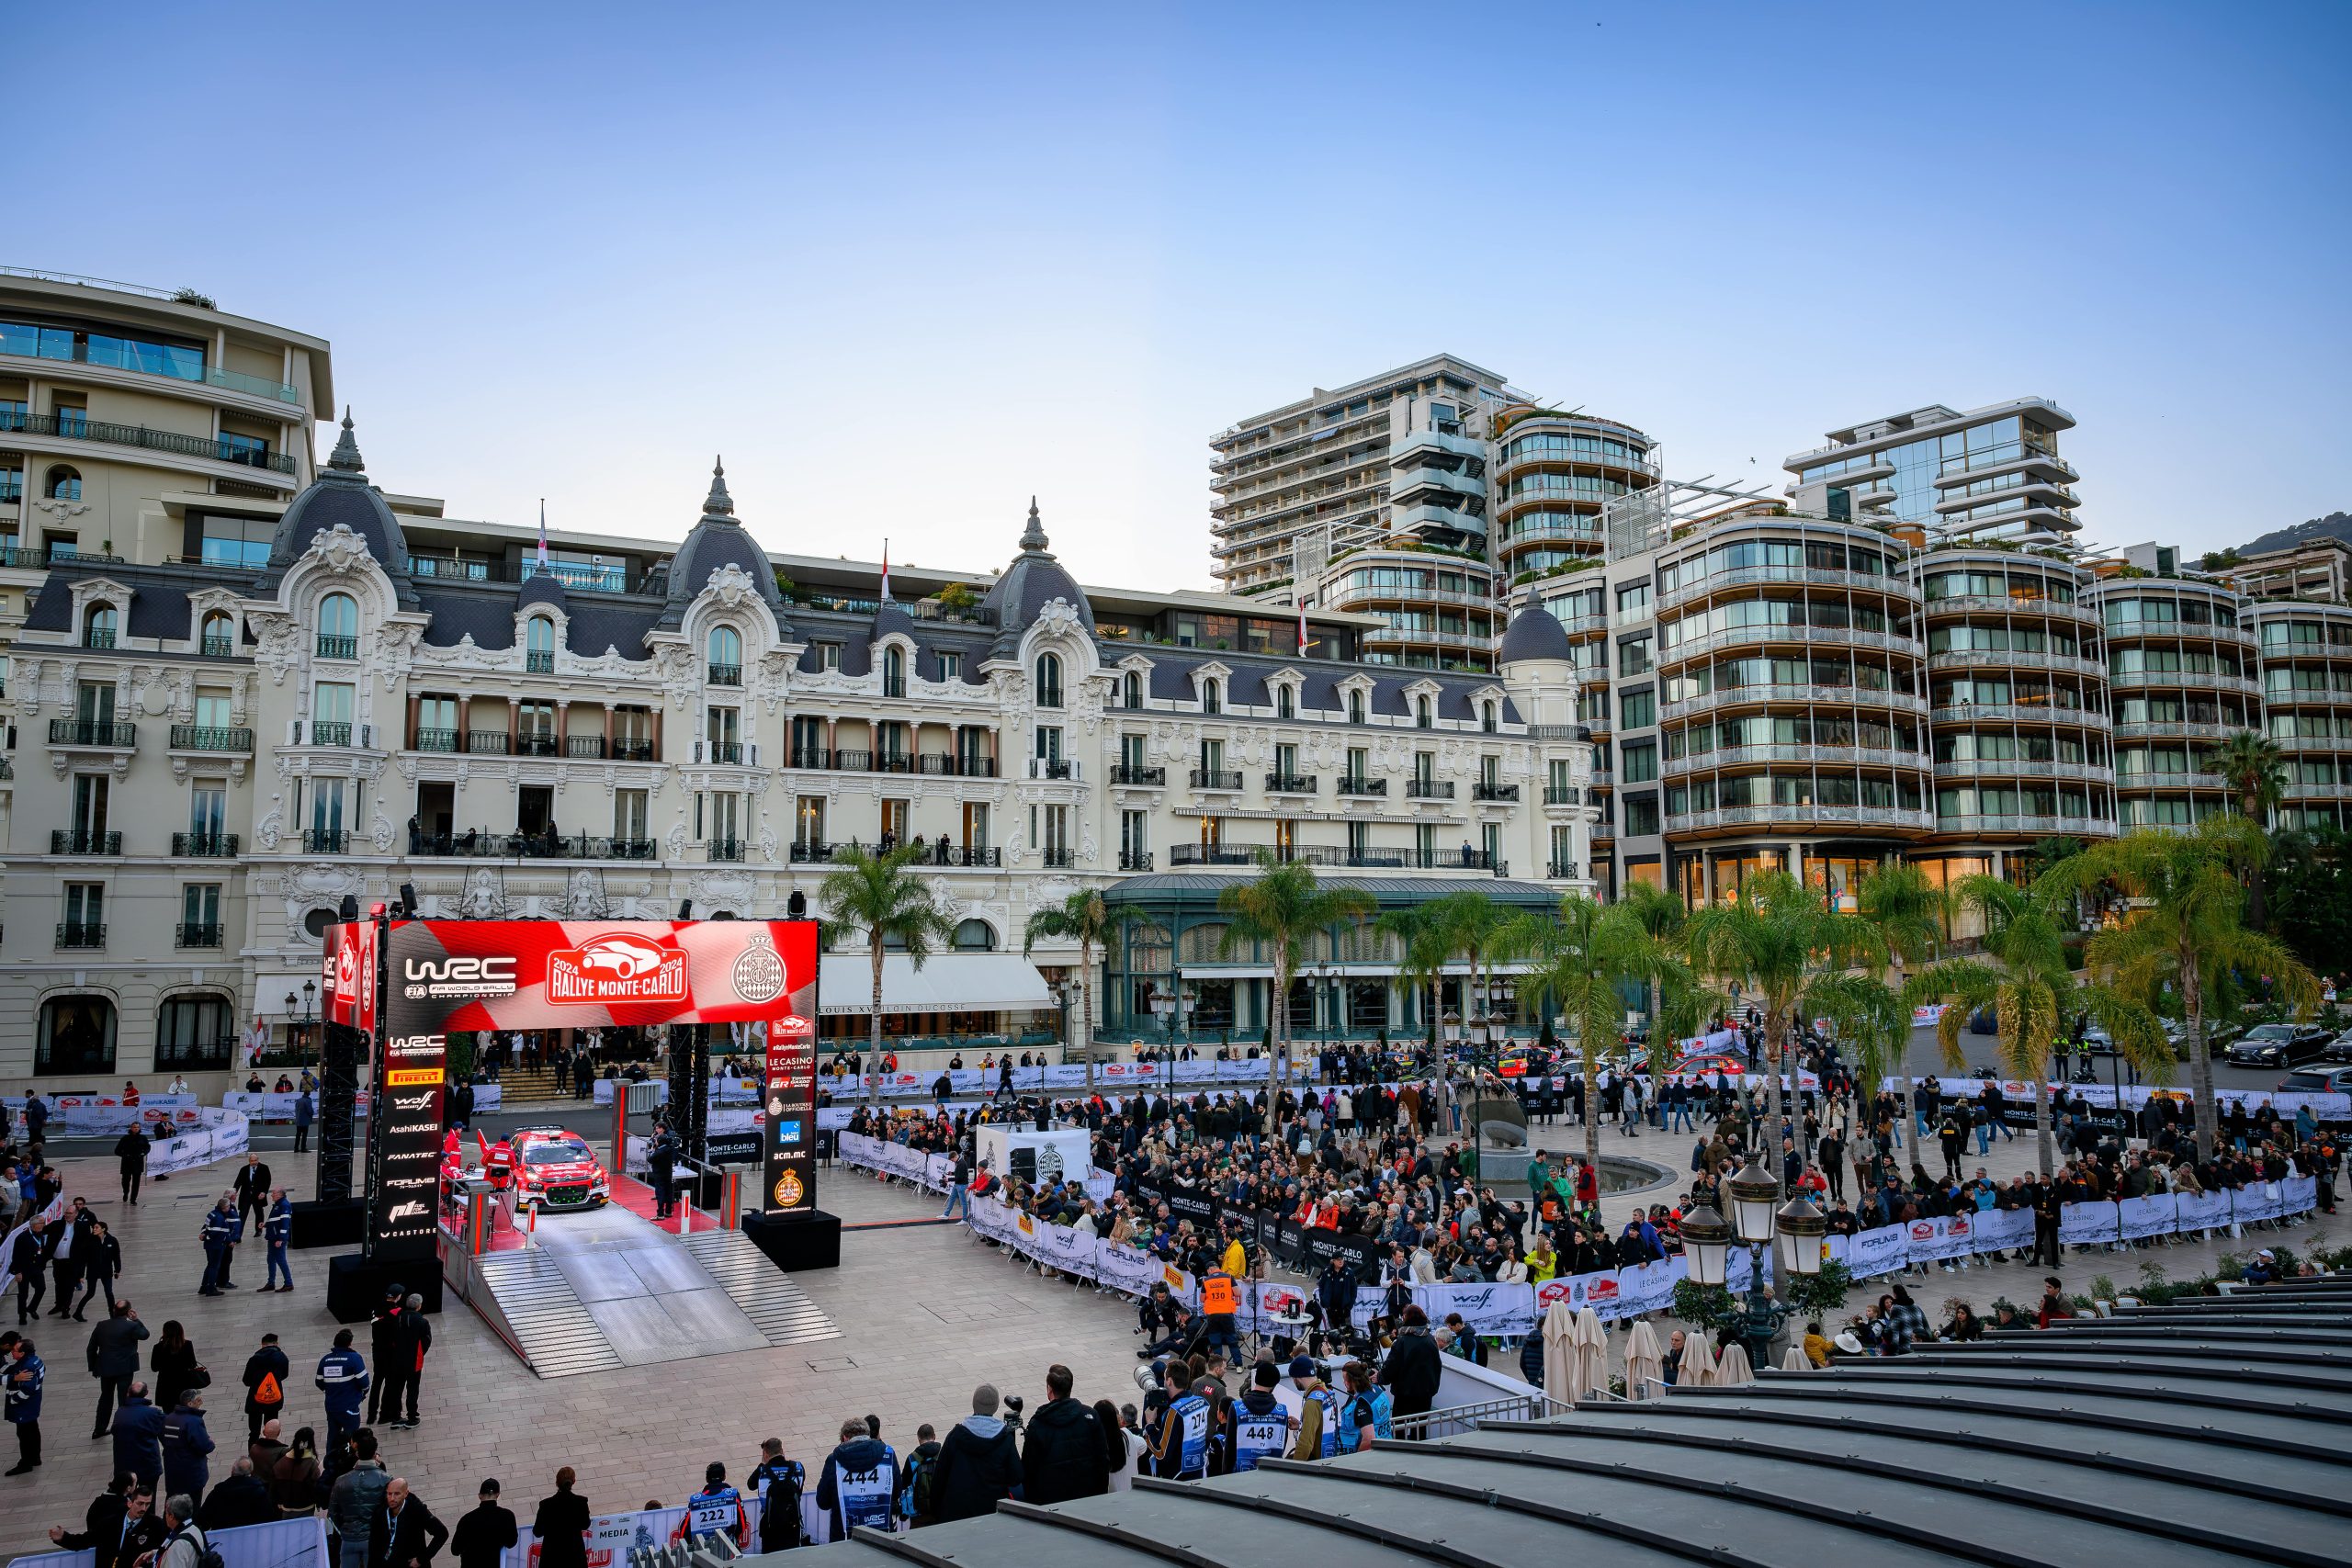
point(410, 1077)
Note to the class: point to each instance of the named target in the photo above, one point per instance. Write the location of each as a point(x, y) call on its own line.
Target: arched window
point(1487, 716)
point(1423, 718)
point(1049, 681)
point(1356, 707)
point(64, 484)
point(538, 644)
point(1212, 697)
point(219, 635)
point(975, 936)
point(894, 671)
point(1131, 690)
point(1285, 706)
point(99, 629)
point(725, 648)
point(194, 1030)
point(338, 627)
point(76, 1035)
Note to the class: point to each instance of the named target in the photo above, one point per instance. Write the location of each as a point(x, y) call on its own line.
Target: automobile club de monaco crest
point(759, 973)
point(617, 968)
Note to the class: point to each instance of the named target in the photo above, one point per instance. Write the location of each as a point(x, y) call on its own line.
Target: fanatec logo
point(411, 1154)
point(458, 976)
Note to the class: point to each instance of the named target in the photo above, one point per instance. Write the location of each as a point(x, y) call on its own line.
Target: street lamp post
point(1795, 1229)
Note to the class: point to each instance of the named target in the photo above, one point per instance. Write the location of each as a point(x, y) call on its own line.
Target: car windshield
point(555, 1154)
point(2269, 1031)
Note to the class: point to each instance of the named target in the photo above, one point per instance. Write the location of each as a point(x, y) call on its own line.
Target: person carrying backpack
point(779, 1482)
point(185, 1546)
point(267, 1370)
point(917, 1495)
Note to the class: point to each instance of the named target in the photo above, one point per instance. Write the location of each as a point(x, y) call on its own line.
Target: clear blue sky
point(906, 266)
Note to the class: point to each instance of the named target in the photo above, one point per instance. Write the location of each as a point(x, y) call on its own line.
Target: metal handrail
point(1455, 1418)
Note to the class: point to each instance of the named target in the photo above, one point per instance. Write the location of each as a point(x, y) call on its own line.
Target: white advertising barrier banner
point(218, 1135)
point(1649, 1286)
point(2258, 1201)
point(2086, 1225)
point(274, 1107)
point(2001, 1230)
point(2200, 1210)
point(2102, 1097)
point(2139, 1218)
point(281, 1543)
point(1881, 1249)
point(1939, 1240)
point(98, 1115)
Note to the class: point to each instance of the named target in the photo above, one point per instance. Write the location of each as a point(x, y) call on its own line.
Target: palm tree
point(2024, 979)
point(1781, 940)
point(1872, 1021)
point(1283, 906)
point(2255, 767)
point(1422, 952)
point(1472, 927)
point(1660, 916)
point(1582, 954)
point(1913, 915)
point(1085, 918)
point(876, 896)
point(2183, 932)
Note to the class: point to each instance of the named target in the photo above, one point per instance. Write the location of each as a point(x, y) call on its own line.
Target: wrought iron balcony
point(1291, 784)
point(338, 646)
point(81, 934)
point(85, 842)
point(1215, 778)
point(1481, 790)
point(435, 740)
point(1137, 774)
point(723, 849)
point(1060, 857)
point(1135, 860)
point(206, 737)
point(93, 732)
point(489, 742)
point(325, 841)
point(540, 661)
point(192, 935)
point(1562, 794)
point(1429, 789)
point(1362, 786)
point(205, 846)
point(725, 675)
point(217, 646)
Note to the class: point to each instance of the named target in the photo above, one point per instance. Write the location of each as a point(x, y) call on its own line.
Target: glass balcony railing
point(169, 361)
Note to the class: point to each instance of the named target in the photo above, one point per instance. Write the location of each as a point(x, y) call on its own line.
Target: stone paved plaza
point(926, 1313)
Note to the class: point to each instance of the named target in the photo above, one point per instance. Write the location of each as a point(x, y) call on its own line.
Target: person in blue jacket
point(859, 1481)
point(222, 1230)
point(188, 1444)
point(20, 1399)
point(138, 1433)
point(342, 1377)
point(716, 1509)
point(277, 1230)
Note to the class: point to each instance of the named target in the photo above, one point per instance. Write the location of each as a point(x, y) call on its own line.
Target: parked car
point(2278, 1045)
point(2338, 1049)
point(2318, 1080)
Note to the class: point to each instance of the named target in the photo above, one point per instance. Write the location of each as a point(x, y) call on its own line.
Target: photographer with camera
point(979, 1463)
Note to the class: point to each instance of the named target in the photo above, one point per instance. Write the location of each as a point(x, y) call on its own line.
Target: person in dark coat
point(482, 1537)
point(387, 1334)
point(120, 1527)
point(186, 1445)
point(978, 1466)
point(1412, 1369)
point(113, 1357)
point(560, 1525)
point(1065, 1456)
point(267, 1370)
point(138, 1433)
point(405, 1534)
point(131, 1152)
point(101, 1260)
point(242, 1498)
point(174, 1362)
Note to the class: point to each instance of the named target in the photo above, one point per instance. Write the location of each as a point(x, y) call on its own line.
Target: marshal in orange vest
point(1217, 1294)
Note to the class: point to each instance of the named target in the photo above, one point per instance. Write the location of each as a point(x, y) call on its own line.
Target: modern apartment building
point(379, 697)
point(1418, 497)
point(1990, 473)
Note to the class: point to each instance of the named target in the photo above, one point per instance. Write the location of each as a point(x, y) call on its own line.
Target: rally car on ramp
point(555, 1169)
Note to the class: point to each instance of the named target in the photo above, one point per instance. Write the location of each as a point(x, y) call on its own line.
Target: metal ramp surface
point(778, 1308)
point(607, 1288)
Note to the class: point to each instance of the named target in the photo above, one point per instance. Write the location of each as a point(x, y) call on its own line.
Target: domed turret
point(1034, 581)
point(341, 497)
point(1534, 633)
point(543, 587)
point(718, 541)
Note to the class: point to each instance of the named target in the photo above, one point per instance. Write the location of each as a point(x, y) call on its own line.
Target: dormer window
point(1049, 681)
point(1488, 719)
point(99, 629)
point(894, 671)
point(725, 648)
point(338, 627)
point(538, 646)
point(1356, 707)
point(1285, 705)
point(1424, 717)
point(1212, 696)
point(1131, 690)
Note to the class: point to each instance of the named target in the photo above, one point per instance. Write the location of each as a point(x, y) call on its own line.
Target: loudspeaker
point(794, 1241)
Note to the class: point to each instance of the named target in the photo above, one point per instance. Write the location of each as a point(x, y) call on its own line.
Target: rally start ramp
point(608, 1289)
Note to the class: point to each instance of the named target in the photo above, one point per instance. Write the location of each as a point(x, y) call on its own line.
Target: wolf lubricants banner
point(441, 975)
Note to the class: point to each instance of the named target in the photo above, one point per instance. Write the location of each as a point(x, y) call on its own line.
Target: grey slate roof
point(1034, 581)
point(158, 606)
point(1534, 633)
point(1171, 679)
point(2057, 1465)
point(341, 496)
point(718, 540)
point(546, 588)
